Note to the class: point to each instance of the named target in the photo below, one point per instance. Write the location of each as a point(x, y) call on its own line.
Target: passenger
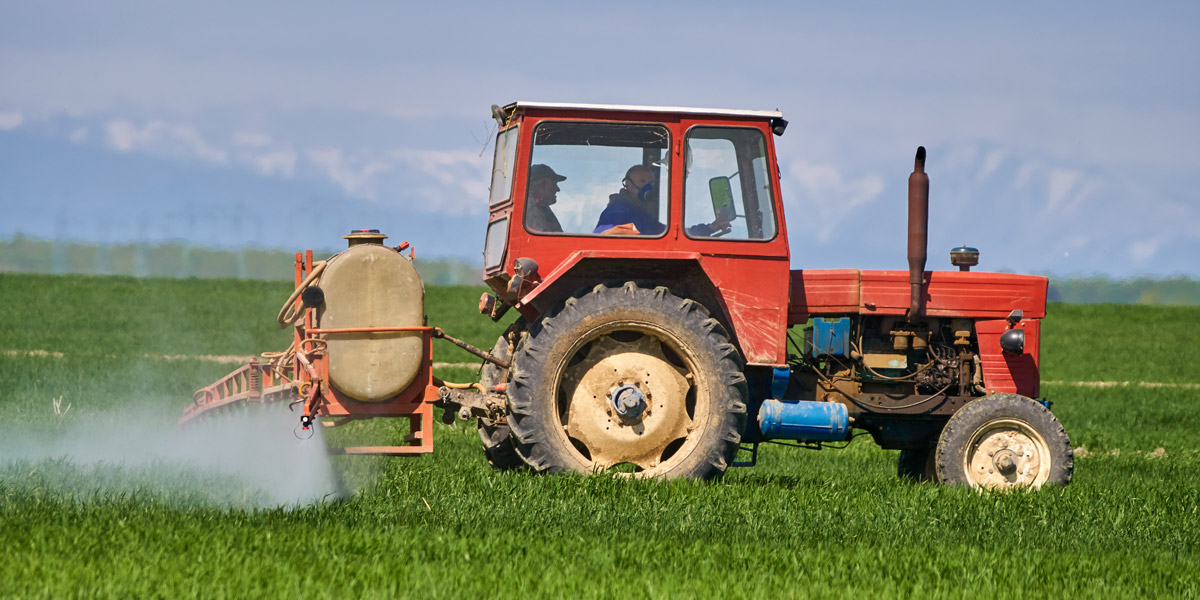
point(631, 210)
point(542, 192)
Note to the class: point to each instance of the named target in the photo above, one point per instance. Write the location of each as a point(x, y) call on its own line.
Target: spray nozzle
point(306, 424)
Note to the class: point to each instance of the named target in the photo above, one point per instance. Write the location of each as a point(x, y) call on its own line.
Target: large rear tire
point(1004, 441)
point(631, 379)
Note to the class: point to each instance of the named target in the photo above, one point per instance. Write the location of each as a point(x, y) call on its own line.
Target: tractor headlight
point(1013, 341)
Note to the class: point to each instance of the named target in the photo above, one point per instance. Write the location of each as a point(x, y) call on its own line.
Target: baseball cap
point(543, 172)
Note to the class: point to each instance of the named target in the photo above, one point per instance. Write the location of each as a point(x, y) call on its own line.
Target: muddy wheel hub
point(1007, 453)
point(627, 402)
point(1005, 461)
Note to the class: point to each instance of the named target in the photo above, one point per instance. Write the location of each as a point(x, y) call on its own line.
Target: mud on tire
point(1004, 441)
point(630, 378)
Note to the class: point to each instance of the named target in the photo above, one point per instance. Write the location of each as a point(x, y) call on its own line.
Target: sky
point(1063, 138)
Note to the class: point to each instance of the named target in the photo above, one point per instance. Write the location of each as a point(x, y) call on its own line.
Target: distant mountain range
point(51, 188)
point(1025, 213)
point(25, 255)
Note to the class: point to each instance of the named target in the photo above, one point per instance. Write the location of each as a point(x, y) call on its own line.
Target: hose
point(288, 314)
point(277, 362)
point(459, 386)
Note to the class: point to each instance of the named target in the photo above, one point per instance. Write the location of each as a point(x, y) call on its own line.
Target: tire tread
point(528, 411)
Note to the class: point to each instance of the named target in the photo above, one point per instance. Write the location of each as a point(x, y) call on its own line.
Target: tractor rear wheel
point(495, 434)
point(631, 379)
point(1004, 441)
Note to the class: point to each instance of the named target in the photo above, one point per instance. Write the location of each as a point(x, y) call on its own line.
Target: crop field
point(102, 496)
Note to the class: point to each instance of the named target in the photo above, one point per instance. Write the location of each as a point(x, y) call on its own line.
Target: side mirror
point(1015, 317)
point(721, 191)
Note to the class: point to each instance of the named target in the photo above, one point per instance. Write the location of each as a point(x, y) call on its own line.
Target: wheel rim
point(643, 372)
point(1007, 453)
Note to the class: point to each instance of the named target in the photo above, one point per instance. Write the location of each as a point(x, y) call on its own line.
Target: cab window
point(727, 189)
point(502, 166)
point(597, 179)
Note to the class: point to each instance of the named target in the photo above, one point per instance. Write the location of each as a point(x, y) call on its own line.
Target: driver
point(631, 211)
point(543, 192)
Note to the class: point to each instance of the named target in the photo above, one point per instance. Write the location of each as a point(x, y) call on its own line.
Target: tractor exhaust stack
point(918, 230)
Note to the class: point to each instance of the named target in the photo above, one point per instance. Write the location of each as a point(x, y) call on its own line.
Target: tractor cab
point(577, 189)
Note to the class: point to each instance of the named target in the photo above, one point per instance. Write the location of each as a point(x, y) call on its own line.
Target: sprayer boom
point(254, 383)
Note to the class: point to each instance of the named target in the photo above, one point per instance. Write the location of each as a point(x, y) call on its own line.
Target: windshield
point(598, 179)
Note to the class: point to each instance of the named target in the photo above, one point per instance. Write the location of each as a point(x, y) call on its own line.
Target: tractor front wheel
point(631, 379)
point(1004, 441)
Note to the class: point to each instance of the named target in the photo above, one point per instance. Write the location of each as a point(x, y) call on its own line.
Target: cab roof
point(716, 112)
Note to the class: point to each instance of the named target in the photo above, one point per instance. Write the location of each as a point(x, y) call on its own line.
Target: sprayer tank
point(370, 285)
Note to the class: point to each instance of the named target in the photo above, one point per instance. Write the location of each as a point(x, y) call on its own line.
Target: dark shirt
point(539, 217)
point(624, 208)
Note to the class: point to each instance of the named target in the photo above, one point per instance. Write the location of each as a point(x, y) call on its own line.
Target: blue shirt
point(622, 209)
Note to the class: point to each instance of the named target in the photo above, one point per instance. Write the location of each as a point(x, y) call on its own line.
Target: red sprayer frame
point(300, 376)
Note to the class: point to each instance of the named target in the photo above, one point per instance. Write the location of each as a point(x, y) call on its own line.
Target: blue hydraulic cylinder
point(804, 421)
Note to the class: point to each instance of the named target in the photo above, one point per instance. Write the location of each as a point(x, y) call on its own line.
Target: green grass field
point(78, 522)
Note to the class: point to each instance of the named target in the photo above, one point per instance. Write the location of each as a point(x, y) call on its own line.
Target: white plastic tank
point(370, 285)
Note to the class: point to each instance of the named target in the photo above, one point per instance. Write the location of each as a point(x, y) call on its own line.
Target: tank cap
point(364, 236)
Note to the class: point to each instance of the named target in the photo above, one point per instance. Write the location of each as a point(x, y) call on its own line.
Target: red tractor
point(662, 331)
